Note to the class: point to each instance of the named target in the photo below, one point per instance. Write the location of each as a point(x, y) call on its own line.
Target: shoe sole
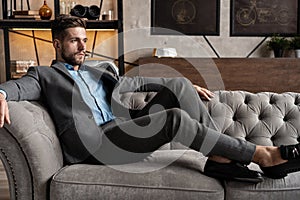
point(282, 170)
point(221, 176)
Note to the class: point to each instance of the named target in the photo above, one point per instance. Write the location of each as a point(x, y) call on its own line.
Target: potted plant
point(295, 45)
point(278, 44)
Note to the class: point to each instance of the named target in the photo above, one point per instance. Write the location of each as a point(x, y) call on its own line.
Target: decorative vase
point(45, 11)
point(278, 53)
point(297, 53)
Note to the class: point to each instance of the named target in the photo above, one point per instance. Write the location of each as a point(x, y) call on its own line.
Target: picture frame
point(264, 17)
point(188, 17)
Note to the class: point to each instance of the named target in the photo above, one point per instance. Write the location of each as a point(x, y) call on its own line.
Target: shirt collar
point(69, 67)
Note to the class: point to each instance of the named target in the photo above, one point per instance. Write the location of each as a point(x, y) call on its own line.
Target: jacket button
point(90, 117)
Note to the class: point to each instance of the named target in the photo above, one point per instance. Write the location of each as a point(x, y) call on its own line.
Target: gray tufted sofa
point(31, 154)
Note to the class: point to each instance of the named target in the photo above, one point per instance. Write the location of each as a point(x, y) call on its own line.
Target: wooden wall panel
point(249, 74)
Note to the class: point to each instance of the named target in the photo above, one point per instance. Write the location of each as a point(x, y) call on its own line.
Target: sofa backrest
point(262, 118)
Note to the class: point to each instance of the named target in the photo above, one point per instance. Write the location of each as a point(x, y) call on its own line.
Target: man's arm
point(4, 113)
point(25, 88)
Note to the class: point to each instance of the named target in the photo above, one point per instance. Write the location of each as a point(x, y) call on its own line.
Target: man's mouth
point(81, 53)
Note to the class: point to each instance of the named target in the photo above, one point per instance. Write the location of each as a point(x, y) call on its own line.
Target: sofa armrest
point(30, 150)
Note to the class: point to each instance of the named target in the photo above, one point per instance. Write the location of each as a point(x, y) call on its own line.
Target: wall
point(138, 40)
point(137, 22)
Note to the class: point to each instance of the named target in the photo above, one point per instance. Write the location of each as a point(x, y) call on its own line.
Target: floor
point(4, 194)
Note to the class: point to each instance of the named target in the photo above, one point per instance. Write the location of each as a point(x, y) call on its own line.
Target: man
point(93, 126)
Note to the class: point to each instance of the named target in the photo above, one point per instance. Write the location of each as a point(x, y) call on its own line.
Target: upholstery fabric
point(263, 118)
point(287, 188)
point(164, 175)
point(33, 128)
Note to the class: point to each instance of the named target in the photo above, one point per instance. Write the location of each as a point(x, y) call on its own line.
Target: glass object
point(62, 8)
point(45, 11)
point(73, 4)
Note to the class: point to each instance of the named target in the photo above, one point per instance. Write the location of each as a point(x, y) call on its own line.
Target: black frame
point(202, 17)
point(264, 17)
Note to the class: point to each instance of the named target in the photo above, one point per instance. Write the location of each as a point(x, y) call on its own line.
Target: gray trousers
point(176, 113)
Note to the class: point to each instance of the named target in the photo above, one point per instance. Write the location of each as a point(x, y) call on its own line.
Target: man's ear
point(56, 44)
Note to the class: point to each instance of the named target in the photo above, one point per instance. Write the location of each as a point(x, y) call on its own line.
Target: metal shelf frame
point(7, 25)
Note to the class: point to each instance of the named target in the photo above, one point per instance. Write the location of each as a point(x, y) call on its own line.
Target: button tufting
point(272, 138)
point(285, 118)
point(234, 118)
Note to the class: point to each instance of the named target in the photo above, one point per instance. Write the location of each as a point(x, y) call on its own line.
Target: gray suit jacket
point(71, 115)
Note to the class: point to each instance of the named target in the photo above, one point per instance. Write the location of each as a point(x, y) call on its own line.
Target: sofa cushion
point(166, 174)
point(275, 189)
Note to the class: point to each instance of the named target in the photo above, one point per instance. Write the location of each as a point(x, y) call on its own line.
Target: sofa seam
point(263, 190)
point(136, 186)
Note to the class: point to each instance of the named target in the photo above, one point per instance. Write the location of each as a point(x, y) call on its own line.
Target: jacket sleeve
point(25, 88)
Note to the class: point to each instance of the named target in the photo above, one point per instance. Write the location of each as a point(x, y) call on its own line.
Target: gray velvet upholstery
point(32, 155)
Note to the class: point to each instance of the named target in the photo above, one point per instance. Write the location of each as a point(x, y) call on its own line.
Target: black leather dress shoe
point(231, 171)
point(282, 170)
point(290, 153)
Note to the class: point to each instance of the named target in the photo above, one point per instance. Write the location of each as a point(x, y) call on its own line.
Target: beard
point(71, 58)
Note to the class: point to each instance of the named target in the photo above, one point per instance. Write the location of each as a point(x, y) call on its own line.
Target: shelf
point(8, 25)
point(41, 24)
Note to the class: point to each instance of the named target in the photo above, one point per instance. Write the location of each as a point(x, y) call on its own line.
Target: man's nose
point(82, 45)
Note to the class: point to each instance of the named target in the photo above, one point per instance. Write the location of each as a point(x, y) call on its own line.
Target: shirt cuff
point(4, 93)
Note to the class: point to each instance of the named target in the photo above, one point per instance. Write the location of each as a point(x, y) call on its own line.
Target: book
point(21, 66)
point(15, 75)
point(26, 12)
point(34, 17)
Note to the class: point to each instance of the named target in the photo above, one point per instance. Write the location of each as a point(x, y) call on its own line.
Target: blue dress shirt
point(93, 93)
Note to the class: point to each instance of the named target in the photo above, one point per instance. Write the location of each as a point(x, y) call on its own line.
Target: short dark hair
point(63, 22)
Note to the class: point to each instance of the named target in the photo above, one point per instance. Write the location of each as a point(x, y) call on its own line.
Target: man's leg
point(179, 122)
point(132, 140)
point(180, 93)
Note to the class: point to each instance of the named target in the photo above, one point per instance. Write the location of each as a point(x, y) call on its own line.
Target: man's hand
point(4, 114)
point(204, 93)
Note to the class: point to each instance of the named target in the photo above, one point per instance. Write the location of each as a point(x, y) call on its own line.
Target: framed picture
point(264, 17)
point(189, 17)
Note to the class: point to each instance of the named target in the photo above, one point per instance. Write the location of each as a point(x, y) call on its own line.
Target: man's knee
point(176, 114)
point(180, 82)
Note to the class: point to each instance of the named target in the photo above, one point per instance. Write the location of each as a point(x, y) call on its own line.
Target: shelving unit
point(7, 24)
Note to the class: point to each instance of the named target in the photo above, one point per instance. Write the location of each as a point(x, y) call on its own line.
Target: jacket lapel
point(61, 68)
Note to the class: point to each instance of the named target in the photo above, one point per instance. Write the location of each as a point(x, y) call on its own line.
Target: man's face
point(73, 46)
